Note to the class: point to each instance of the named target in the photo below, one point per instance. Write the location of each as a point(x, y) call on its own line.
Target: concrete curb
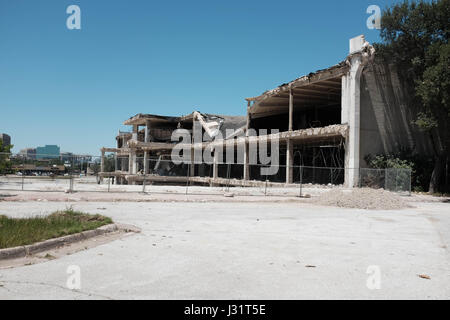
point(23, 251)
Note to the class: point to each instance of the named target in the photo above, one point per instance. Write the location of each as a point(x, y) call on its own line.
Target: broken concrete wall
point(388, 107)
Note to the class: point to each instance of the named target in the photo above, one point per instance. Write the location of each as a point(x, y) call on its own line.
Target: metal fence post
point(143, 184)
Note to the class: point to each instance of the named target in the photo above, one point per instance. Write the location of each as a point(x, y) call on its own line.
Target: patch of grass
point(19, 232)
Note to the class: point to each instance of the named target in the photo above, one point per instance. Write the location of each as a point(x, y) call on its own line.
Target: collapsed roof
point(320, 87)
point(211, 123)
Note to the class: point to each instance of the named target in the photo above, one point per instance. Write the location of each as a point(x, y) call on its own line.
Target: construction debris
point(371, 199)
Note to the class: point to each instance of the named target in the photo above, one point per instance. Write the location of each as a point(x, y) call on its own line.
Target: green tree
point(415, 38)
point(110, 163)
point(5, 163)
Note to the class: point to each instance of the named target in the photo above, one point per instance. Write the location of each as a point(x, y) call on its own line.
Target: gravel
point(372, 199)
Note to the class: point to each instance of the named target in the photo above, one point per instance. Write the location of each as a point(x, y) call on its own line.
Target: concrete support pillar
point(289, 143)
point(289, 161)
point(134, 135)
point(246, 161)
point(352, 155)
point(116, 166)
point(132, 162)
point(192, 164)
point(291, 109)
point(130, 159)
point(135, 163)
point(146, 162)
point(246, 174)
point(216, 164)
point(147, 138)
point(147, 131)
point(360, 53)
point(123, 164)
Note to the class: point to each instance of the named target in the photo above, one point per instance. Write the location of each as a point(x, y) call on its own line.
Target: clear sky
point(74, 88)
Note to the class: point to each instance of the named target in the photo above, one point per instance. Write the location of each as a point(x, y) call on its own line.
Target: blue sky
point(74, 88)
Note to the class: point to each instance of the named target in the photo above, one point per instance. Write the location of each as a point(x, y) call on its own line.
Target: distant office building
point(66, 156)
point(6, 139)
point(47, 152)
point(75, 158)
point(28, 153)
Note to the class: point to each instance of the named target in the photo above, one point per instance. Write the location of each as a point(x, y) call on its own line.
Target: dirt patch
point(67, 249)
point(371, 199)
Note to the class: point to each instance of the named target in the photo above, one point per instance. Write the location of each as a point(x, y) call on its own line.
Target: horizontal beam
point(315, 91)
point(326, 86)
point(201, 180)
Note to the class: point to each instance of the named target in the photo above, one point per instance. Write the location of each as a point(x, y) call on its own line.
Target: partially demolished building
point(331, 118)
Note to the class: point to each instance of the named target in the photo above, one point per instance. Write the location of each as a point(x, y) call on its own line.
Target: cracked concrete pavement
point(246, 251)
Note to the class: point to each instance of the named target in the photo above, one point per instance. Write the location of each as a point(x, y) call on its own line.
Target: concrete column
point(246, 146)
point(216, 165)
point(290, 145)
point(135, 164)
point(246, 161)
point(129, 162)
point(361, 52)
point(147, 131)
point(134, 135)
point(291, 109)
point(353, 141)
point(289, 161)
point(192, 164)
point(146, 162)
point(123, 162)
point(147, 138)
point(132, 162)
point(352, 98)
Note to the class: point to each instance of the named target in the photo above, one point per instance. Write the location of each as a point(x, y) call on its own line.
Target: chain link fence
point(392, 179)
point(83, 174)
